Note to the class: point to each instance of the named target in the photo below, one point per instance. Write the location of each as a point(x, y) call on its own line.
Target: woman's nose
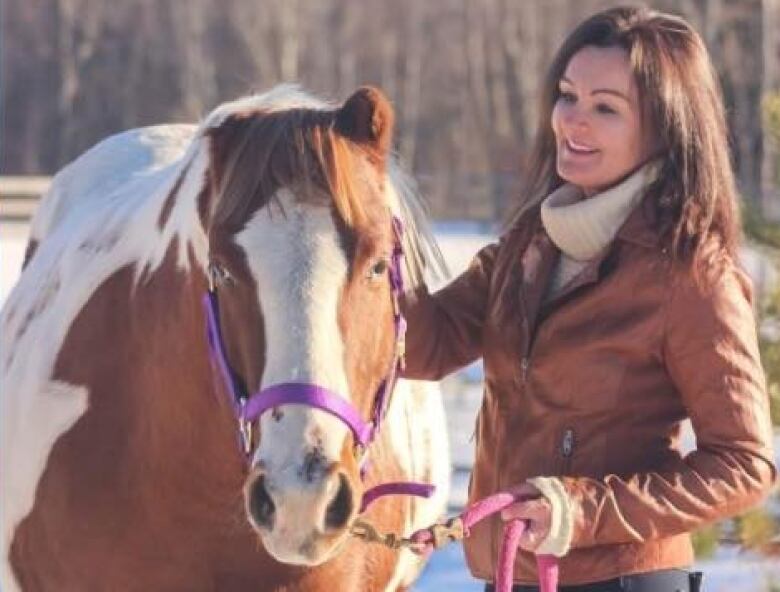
point(574, 117)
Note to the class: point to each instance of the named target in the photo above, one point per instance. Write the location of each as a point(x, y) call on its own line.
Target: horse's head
point(299, 211)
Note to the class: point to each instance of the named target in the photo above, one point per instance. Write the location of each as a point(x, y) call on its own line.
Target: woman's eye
point(378, 269)
point(605, 109)
point(567, 97)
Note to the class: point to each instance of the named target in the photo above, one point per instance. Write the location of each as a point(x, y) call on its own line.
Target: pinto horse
point(121, 464)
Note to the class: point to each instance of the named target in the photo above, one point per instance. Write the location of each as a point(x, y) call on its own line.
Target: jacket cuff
point(558, 540)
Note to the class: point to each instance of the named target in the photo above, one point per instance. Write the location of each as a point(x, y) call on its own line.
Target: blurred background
point(463, 76)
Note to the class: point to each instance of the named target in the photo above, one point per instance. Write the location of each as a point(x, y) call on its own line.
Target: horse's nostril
point(261, 506)
point(340, 508)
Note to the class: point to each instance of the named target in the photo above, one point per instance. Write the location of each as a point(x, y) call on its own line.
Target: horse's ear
point(367, 118)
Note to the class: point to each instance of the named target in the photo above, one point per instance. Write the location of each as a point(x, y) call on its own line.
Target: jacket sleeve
point(445, 328)
point(711, 355)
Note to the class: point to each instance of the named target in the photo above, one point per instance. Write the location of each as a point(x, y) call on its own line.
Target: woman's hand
point(535, 510)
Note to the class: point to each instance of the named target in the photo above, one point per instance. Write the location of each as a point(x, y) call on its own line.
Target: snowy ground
point(727, 571)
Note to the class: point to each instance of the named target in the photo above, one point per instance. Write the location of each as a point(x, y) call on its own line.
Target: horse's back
point(105, 168)
point(37, 407)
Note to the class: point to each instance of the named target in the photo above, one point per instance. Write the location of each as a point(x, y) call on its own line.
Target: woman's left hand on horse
point(535, 509)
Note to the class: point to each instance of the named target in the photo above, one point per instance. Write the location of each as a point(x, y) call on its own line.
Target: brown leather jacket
point(593, 386)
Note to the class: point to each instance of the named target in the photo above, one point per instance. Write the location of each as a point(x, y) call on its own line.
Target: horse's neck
point(141, 351)
point(179, 397)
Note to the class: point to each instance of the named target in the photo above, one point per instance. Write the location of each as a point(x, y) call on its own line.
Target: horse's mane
point(287, 137)
point(104, 211)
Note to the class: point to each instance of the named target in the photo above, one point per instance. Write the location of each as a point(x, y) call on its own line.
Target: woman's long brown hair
point(681, 100)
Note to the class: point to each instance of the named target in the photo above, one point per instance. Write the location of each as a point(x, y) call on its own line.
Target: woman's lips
point(578, 149)
point(577, 154)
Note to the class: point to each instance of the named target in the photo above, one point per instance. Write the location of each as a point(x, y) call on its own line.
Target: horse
point(128, 460)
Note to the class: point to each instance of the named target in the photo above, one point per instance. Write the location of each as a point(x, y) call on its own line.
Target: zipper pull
point(524, 364)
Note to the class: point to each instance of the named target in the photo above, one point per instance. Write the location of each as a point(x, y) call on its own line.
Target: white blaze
point(300, 268)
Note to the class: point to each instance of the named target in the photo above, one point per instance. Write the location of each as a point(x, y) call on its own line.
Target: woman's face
point(597, 120)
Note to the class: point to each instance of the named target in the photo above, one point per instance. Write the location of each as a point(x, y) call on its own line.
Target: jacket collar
point(540, 257)
point(641, 226)
point(582, 227)
point(537, 264)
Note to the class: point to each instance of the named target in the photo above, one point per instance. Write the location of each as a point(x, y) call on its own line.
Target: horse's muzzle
point(301, 522)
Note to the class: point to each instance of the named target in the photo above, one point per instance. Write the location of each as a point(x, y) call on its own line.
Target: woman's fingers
point(525, 491)
point(531, 538)
point(529, 509)
point(536, 515)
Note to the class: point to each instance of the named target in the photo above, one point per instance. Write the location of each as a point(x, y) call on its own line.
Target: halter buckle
point(210, 276)
point(396, 304)
point(245, 428)
point(360, 453)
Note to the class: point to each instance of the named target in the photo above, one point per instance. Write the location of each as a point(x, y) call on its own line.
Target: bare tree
point(464, 75)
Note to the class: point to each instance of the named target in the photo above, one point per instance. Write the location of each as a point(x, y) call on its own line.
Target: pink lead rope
point(547, 565)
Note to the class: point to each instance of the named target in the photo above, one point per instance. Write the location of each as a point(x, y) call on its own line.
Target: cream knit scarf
point(582, 227)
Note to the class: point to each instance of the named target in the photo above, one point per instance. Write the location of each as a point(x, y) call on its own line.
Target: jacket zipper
point(525, 361)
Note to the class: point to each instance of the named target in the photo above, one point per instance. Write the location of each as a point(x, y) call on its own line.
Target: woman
point(612, 309)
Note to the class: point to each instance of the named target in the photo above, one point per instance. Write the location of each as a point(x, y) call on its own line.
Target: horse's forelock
point(288, 138)
point(255, 154)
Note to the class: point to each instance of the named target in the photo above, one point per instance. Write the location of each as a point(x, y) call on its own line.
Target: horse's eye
point(219, 274)
point(378, 269)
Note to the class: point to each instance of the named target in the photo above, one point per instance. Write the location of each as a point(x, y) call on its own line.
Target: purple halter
point(249, 408)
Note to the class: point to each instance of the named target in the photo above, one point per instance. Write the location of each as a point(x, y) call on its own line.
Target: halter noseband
point(248, 409)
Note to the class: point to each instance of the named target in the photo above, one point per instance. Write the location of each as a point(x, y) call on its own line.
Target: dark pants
point(665, 580)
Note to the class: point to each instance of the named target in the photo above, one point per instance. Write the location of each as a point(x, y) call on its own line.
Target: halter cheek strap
point(248, 409)
point(217, 351)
